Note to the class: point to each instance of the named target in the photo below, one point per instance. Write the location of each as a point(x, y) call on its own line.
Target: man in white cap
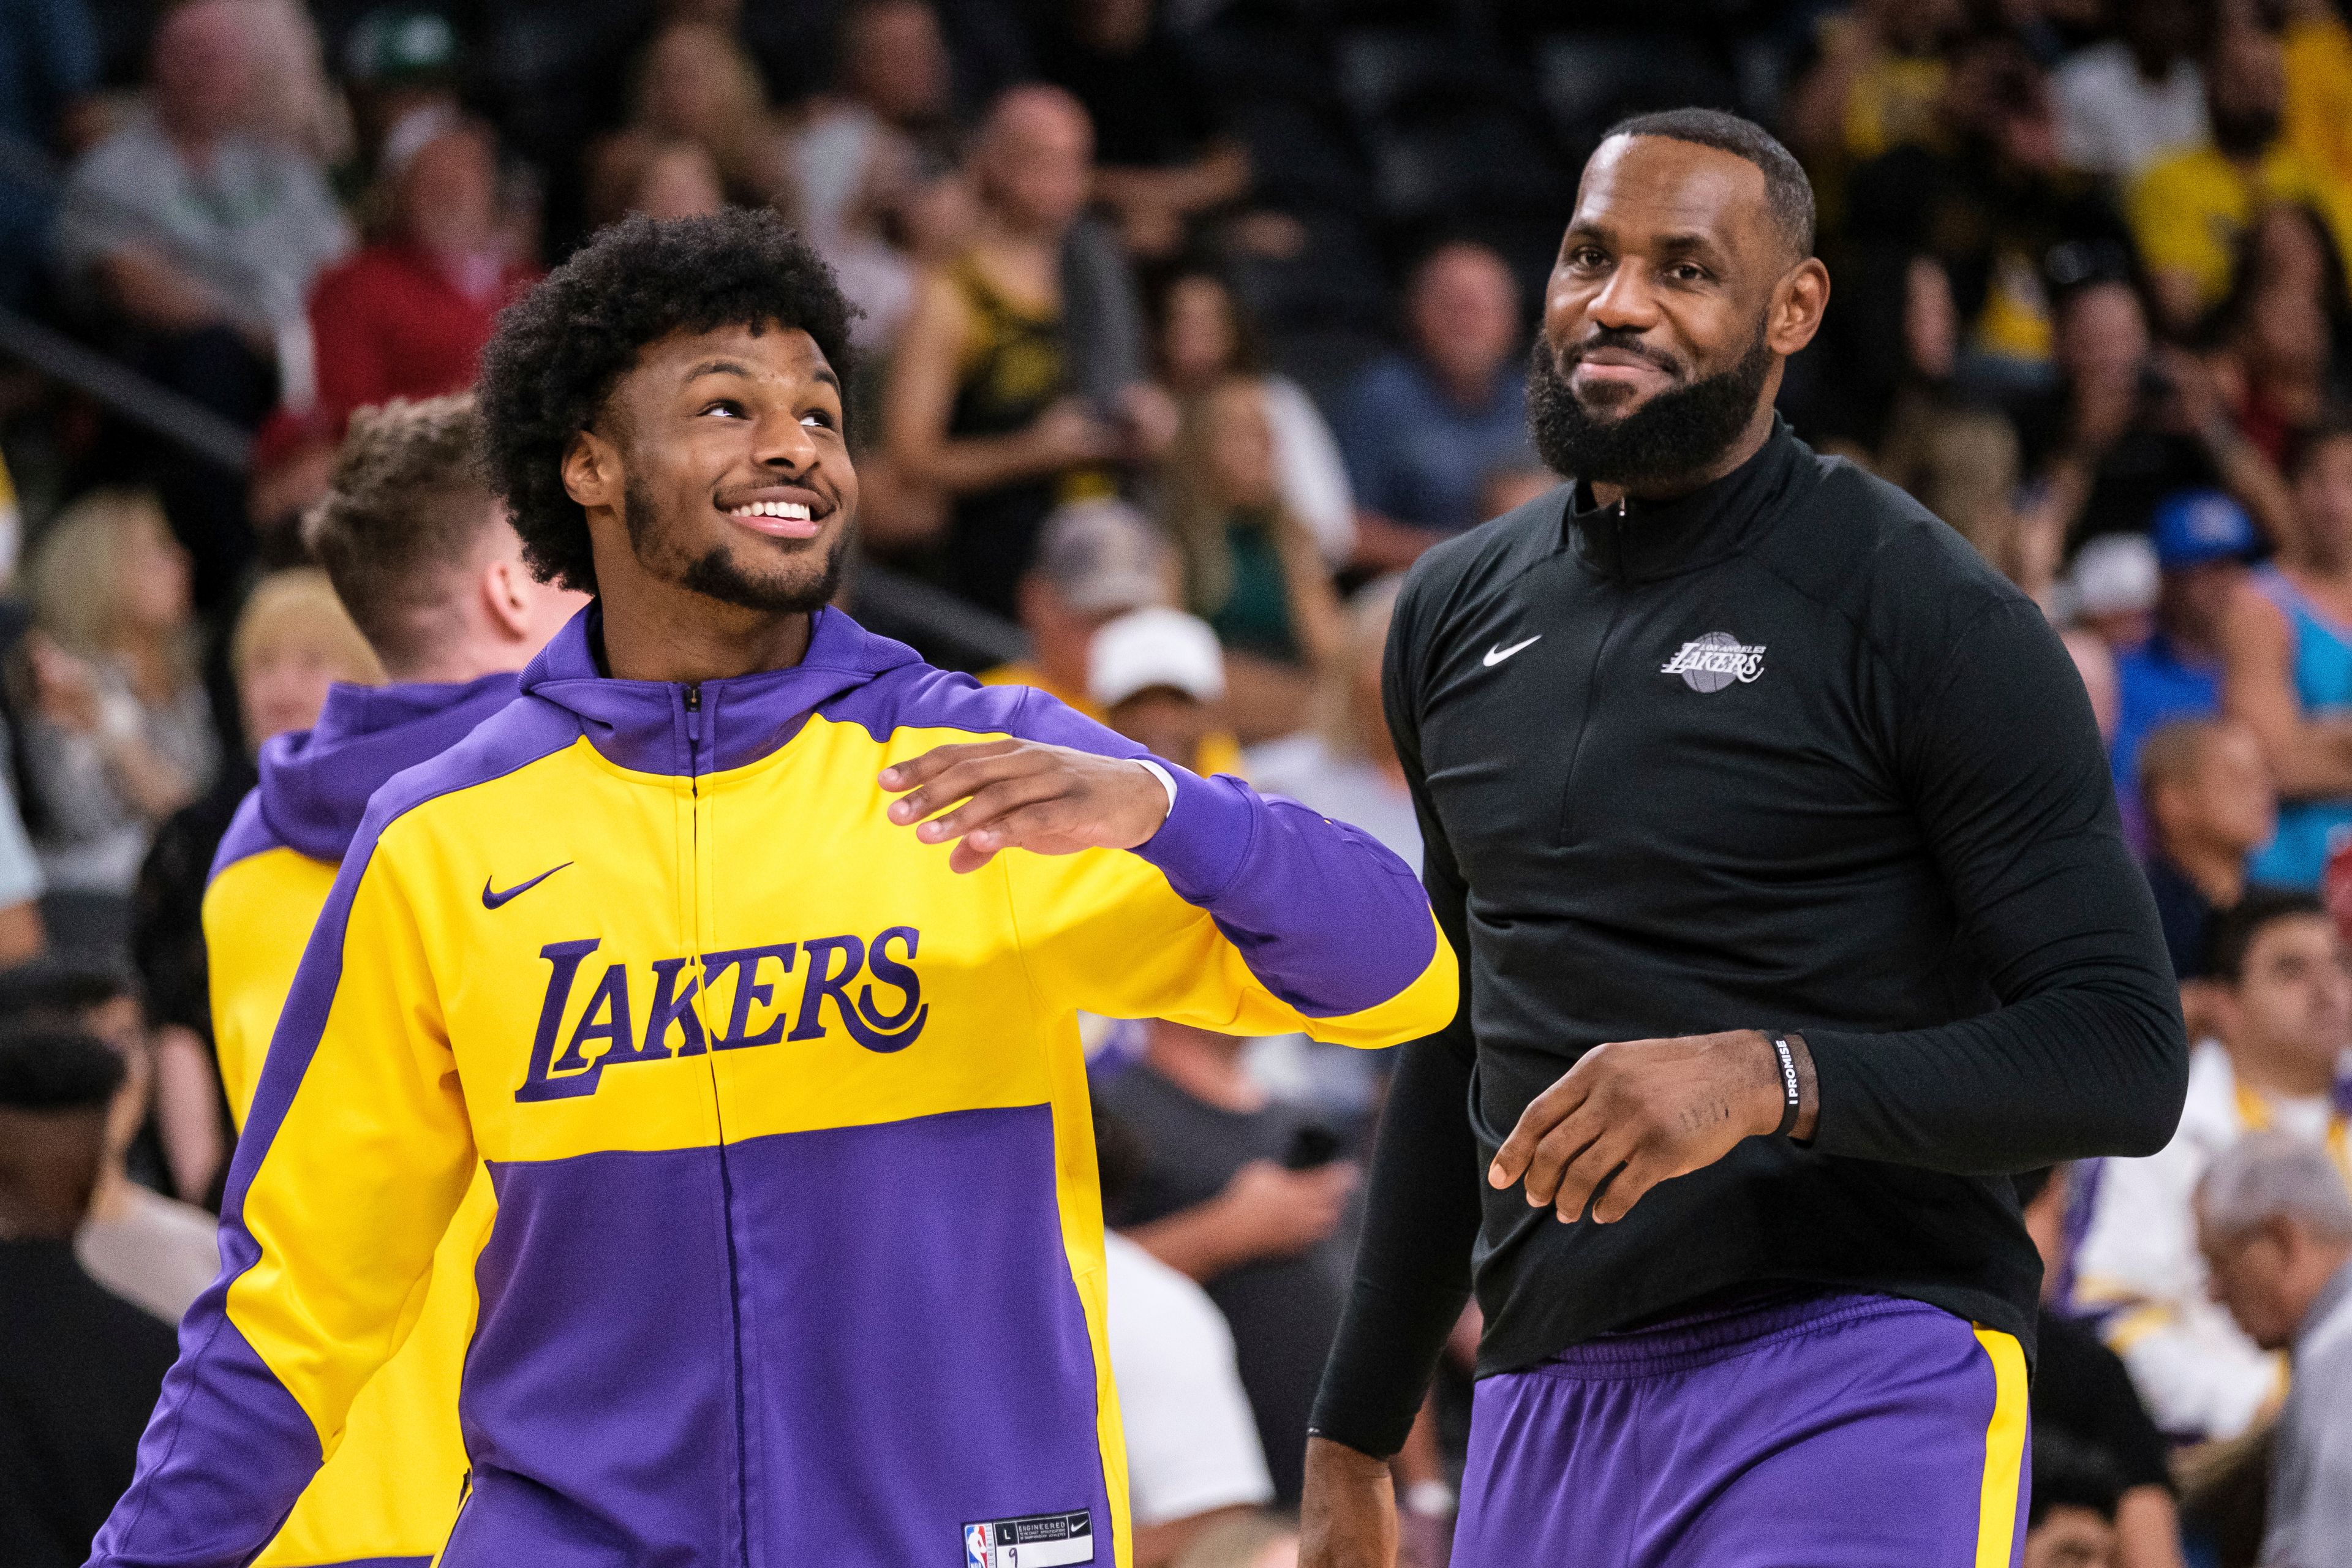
point(2116, 582)
point(1157, 675)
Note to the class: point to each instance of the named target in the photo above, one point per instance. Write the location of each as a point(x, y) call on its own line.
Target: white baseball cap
point(1154, 647)
point(2116, 574)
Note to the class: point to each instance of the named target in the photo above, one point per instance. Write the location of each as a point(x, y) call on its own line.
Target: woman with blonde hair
point(292, 640)
point(120, 735)
point(1251, 568)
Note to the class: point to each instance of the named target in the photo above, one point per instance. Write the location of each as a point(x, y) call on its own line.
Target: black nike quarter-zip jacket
point(1782, 754)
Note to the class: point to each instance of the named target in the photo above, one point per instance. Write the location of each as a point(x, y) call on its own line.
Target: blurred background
point(1188, 324)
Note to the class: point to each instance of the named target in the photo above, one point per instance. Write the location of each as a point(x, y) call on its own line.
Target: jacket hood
point(315, 783)
point(648, 726)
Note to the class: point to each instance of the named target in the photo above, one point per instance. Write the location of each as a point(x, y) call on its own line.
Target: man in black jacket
point(1776, 836)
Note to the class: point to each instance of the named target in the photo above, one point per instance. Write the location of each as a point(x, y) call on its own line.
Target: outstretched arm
point(1231, 910)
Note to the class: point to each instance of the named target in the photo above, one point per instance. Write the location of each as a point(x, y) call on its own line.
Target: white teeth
point(783, 509)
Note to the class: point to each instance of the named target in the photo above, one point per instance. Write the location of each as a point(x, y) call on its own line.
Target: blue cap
point(2193, 527)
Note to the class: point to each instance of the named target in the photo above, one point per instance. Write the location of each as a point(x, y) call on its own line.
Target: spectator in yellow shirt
point(2317, 124)
point(2188, 211)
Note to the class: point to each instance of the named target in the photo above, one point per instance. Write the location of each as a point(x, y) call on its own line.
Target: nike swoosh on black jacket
point(1788, 755)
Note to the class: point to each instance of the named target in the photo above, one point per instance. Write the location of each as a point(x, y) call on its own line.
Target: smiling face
point(1673, 299)
point(718, 467)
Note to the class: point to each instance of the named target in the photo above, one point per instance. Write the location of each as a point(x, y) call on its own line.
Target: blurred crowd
point(1188, 325)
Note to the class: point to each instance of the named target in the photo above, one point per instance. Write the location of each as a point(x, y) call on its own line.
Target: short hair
point(1788, 191)
point(2272, 1175)
point(58, 990)
point(2070, 1473)
point(2233, 932)
point(52, 1070)
point(408, 504)
point(2172, 752)
point(549, 369)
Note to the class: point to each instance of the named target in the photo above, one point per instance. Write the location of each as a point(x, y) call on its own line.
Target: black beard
point(715, 574)
point(1678, 432)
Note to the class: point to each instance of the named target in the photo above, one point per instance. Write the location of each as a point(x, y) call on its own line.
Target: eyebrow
point(1689, 242)
point(736, 367)
point(1682, 242)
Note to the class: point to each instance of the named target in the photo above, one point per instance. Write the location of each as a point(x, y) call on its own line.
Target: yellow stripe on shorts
point(2004, 1468)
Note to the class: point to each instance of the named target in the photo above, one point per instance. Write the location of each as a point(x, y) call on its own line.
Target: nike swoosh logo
point(491, 901)
point(1496, 656)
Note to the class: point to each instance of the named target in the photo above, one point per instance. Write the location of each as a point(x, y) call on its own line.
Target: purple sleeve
point(1323, 915)
point(1327, 917)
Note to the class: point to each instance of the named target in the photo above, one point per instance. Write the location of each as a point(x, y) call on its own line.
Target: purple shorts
point(1826, 1431)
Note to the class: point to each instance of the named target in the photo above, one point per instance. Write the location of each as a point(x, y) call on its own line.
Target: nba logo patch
point(979, 1548)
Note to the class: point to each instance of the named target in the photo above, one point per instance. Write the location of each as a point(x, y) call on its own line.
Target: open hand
point(1023, 794)
point(1630, 1115)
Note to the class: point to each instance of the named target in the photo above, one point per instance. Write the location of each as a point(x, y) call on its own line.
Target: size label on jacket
point(1034, 1540)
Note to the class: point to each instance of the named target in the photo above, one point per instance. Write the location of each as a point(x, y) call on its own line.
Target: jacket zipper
point(1593, 687)
point(693, 700)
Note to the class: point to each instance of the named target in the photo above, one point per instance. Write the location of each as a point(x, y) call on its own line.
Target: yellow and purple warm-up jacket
point(387, 1496)
point(797, 1256)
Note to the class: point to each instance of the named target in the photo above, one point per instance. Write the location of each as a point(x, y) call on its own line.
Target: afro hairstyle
point(560, 351)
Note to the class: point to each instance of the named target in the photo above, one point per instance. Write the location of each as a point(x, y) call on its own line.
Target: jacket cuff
point(1203, 845)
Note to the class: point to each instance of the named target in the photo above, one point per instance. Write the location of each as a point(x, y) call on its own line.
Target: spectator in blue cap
point(2203, 540)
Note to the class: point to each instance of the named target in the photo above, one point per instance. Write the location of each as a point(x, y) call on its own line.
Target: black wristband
point(1792, 1096)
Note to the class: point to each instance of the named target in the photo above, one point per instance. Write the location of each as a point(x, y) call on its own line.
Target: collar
point(674, 727)
point(315, 783)
point(1637, 540)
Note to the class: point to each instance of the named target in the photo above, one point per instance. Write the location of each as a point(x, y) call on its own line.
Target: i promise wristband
point(1791, 1096)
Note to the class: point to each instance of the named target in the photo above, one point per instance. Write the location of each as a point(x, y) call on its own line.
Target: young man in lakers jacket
point(797, 1255)
point(422, 555)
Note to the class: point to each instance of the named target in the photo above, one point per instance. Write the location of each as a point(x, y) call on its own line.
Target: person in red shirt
point(407, 316)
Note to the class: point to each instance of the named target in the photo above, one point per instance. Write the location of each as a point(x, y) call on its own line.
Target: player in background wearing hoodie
point(423, 557)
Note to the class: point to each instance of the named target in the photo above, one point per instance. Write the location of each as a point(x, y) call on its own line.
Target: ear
point(592, 474)
point(1799, 302)
point(506, 587)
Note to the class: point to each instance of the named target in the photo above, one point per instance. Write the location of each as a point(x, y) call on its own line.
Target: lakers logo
point(1714, 661)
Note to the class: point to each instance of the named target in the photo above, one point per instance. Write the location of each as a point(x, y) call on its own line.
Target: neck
point(1205, 1065)
point(1751, 442)
point(2284, 1074)
point(1465, 388)
point(112, 1198)
point(148, 666)
point(463, 661)
point(656, 632)
point(2187, 637)
point(1001, 230)
point(194, 141)
point(2218, 870)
